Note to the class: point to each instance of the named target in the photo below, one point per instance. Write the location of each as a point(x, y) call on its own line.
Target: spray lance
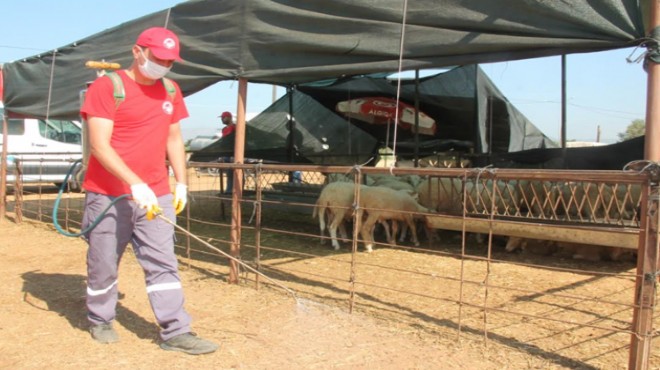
point(157, 212)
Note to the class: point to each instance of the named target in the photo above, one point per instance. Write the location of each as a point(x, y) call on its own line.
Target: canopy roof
point(464, 102)
point(295, 41)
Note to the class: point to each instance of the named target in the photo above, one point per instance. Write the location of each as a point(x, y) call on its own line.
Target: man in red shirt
point(230, 127)
point(130, 142)
point(227, 120)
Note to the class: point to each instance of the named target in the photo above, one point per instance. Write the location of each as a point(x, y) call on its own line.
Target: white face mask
point(152, 70)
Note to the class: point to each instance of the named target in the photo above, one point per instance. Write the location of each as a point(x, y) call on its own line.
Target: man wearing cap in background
point(228, 120)
point(130, 141)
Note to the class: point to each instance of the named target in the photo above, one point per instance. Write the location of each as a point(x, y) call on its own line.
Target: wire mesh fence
point(573, 310)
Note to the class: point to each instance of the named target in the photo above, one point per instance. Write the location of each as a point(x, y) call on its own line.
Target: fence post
point(3, 170)
point(647, 258)
point(18, 191)
point(646, 280)
point(239, 152)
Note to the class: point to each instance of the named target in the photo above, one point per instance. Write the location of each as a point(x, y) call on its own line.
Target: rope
point(50, 84)
point(480, 171)
point(398, 84)
point(652, 53)
point(56, 206)
point(167, 17)
point(647, 166)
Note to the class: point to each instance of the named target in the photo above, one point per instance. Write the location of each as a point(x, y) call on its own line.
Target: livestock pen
point(538, 310)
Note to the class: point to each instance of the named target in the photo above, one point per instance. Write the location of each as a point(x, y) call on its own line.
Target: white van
point(46, 149)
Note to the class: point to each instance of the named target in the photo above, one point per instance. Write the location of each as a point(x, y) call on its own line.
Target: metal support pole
point(647, 254)
point(239, 149)
point(3, 170)
point(416, 156)
point(563, 101)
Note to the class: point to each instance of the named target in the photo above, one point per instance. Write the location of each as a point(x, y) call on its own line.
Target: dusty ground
point(42, 321)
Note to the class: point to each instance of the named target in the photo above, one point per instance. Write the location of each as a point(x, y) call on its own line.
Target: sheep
point(594, 252)
point(572, 250)
point(612, 202)
point(480, 197)
point(382, 204)
point(441, 194)
point(538, 198)
point(394, 183)
point(336, 199)
point(534, 246)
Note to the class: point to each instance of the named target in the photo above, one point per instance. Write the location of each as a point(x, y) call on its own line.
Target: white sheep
point(441, 194)
point(384, 204)
point(336, 199)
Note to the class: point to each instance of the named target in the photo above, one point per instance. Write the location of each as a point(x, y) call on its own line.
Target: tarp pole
point(563, 110)
point(289, 142)
point(416, 160)
point(647, 254)
point(239, 153)
point(3, 159)
point(563, 101)
point(3, 169)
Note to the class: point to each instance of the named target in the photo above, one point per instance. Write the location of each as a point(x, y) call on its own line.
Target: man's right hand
point(144, 196)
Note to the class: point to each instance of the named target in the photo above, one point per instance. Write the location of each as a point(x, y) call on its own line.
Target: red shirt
point(228, 130)
point(139, 135)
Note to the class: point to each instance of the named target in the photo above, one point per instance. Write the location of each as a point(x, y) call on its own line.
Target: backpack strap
point(117, 88)
point(119, 93)
point(169, 86)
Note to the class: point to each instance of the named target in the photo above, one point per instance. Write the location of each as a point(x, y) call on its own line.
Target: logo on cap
point(169, 43)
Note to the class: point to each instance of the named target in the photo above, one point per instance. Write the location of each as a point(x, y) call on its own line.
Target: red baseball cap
point(225, 114)
point(163, 43)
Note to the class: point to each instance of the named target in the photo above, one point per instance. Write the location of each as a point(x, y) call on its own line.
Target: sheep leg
point(386, 226)
point(342, 230)
point(513, 243)
point(404, 232)
point(322, 224)
point(413, 230)
point(395, 230)
point(337, 219)
point(366, 230)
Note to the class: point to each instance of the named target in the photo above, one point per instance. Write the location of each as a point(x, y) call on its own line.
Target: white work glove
point(180, 197)
point(144, 197)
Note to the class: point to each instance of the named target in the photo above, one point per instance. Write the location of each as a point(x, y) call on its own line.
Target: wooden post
point(18, 191)
point(239, 148)
point(647, 259)
point(3, 170)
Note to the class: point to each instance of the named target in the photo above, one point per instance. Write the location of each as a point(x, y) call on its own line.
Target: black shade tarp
point(320, 136)
point(607, 157)
point(463, 101)
point(295, 41)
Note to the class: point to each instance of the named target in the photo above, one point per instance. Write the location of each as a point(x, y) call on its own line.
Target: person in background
point(130, 141)
point(228, 120)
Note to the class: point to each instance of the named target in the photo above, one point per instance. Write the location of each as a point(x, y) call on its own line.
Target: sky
point(604, 91)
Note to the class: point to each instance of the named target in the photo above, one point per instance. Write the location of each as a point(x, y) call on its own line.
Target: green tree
point(635, 128)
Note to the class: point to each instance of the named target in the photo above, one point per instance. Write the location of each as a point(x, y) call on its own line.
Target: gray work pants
point(153, 244)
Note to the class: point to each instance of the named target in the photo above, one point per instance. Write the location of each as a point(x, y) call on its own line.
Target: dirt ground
point(43, 325)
